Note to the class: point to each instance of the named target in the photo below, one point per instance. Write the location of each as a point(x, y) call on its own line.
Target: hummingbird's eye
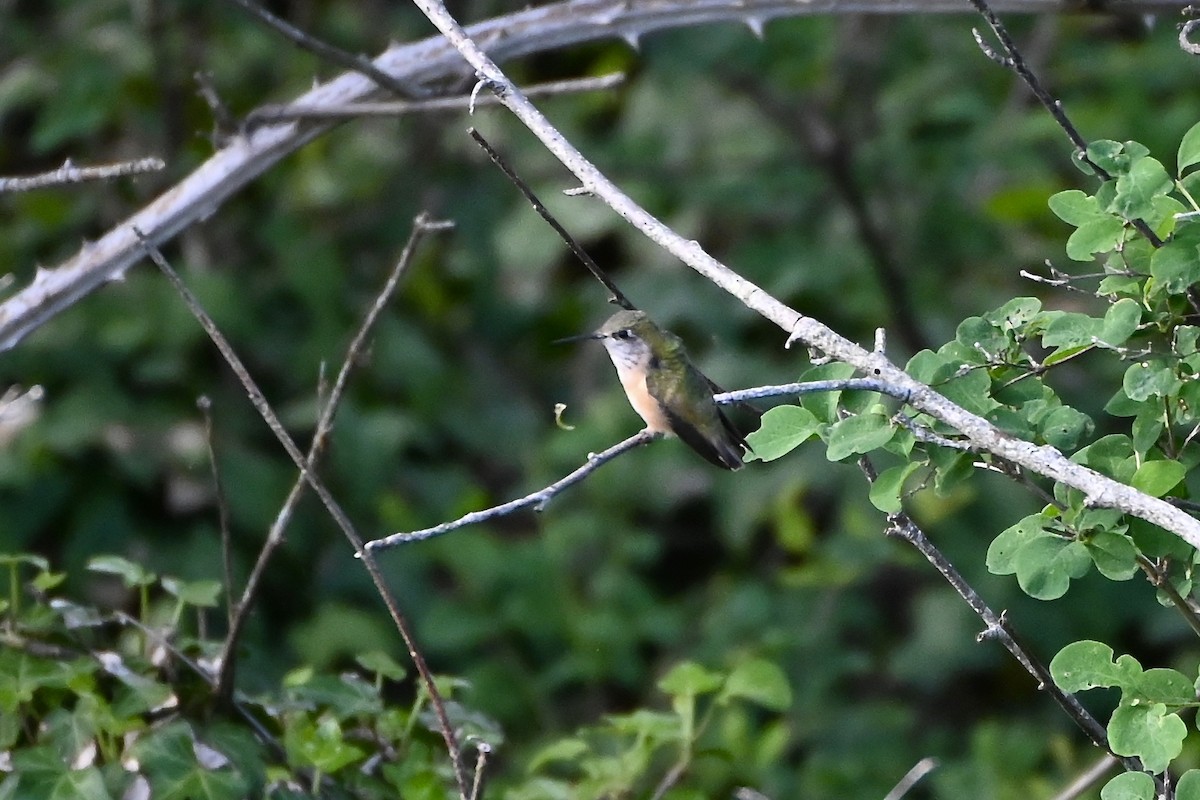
point(623, 333)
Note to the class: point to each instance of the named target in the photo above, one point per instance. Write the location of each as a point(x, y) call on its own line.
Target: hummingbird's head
point(629, 337)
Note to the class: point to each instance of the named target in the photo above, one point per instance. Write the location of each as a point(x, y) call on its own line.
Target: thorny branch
point(418, 64)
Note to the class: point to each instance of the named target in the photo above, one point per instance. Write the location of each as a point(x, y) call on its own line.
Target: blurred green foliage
point(872, 171)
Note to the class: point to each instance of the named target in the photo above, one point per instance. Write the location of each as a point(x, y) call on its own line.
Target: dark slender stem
point(205, 406)
point(277, 533)
point(615, 294)
point(329, 52)
point(331, 505)
point(997, 626)
point(1016, 62)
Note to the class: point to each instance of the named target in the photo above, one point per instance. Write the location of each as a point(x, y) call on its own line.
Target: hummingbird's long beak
point(582, 337)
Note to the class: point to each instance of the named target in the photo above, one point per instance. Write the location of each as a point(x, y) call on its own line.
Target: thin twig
point(1088, 778)
point(270, 114)
point(224, 122)
point(537, 500)
point(276, 535)
point(910, 779)
point(205, 406)
point(358, 63)
point(482, 751)
point(615, 294)
point(811, 387)
point(69, 173)
point(343, 522)
point(1016, 62)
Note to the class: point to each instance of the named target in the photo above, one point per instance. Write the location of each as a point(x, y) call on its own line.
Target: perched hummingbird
point(666, 389)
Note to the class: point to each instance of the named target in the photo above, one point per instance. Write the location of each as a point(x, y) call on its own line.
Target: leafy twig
point(997, 625)
point(1012, 59)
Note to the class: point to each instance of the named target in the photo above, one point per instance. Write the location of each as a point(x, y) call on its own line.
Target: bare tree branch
point(416, 64)
point(1099, 490)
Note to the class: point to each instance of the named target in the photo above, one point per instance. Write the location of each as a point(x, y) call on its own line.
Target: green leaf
point(1106, 454)
point(1001, 554)
point(1114, 554)
point(1016, 313)
point(930, 368)
point(690, 678)
point(1088, 665)
point(1071, 330)
point(1189, 148)
point(1137, 189)
point(759, 681)
point(886, 491)
point(1120, 322)
point(1167, 686)
point(1098, 236)
point(1142, 381)
point(168, 758)
point(783, 429)
point(1188, 785)
point(131, 574)
point(1046, 565)
point(321, 745)
point(44, 774)
point(1156, 478)
point(1075, 207)
point(380, 663)
point(1149, 732)
point(1063, 427)
point(1129, 786)
point(1108, 155)
point(1176, 265)
point(858, 435)
point(202, 594)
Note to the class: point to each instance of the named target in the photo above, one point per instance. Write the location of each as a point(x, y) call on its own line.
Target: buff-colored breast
point(634, 381)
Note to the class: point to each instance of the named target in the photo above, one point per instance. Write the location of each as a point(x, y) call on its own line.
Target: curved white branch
point(1099, 490)
point(420, 63)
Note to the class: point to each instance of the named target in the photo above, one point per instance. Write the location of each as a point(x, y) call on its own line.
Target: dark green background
point(560, 618)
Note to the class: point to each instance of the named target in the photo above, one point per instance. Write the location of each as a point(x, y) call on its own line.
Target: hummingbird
point(666, 389)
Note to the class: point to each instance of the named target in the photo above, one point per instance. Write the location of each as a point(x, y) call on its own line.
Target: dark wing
point(718, 441)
